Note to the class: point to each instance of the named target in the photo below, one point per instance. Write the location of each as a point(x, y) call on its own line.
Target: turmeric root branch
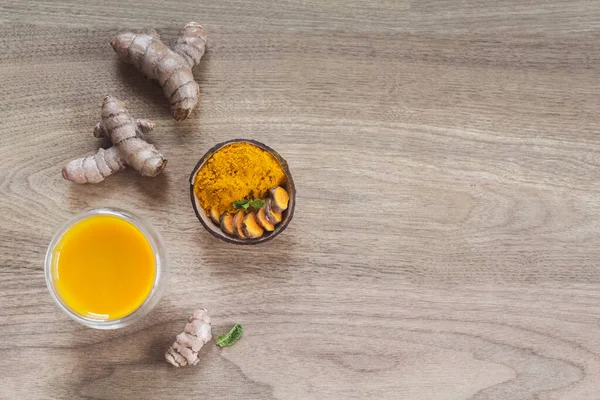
point(189, 342)
point(143, 125)
point(129, 148)
point(171, 68)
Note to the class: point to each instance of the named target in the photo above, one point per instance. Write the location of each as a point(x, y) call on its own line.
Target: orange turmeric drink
point(102, 267)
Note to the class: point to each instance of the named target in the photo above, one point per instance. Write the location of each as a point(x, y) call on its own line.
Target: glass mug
point(157, 285)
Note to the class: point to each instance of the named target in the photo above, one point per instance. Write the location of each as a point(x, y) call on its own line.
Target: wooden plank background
point(447, 233)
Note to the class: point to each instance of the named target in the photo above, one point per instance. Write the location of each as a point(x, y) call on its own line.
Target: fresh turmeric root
point(272, 216)
point(129, 147)
point(262, 220)
point(189, 342)
point(214, 215)
point(280, 199)
point(252, 229)
point(227, 225)
point(238, 218)
point(171, 68)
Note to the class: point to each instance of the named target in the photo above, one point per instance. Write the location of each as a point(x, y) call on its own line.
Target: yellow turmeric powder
point(237, 171)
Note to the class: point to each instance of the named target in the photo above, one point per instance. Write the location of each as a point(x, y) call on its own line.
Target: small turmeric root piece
point(214, 215)
point(238, 219)
point(197, 332)
point(227, 224)
point(129, 148)
point(280, 199)
point(171, 68)
point(261, 218)
point(272, 216)
point(251, 227)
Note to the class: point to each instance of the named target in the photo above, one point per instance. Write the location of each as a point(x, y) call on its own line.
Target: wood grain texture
point(446, 237)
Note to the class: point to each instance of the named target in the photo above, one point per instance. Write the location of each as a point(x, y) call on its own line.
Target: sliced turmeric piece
point(280, 199)
point(227, 224)
point(272, 216)
point(261, 218)
point(237, 224)
point(251, 227)
point(214, 215)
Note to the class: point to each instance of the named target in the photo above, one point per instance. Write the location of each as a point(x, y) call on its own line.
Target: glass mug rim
point(160, 265)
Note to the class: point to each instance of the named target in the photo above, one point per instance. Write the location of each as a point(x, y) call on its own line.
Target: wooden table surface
point(446, 238)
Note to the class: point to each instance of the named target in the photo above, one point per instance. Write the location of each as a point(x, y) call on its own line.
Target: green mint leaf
point(247, 203)
point(231, 337)
point(240, 204)
point(258, 203)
